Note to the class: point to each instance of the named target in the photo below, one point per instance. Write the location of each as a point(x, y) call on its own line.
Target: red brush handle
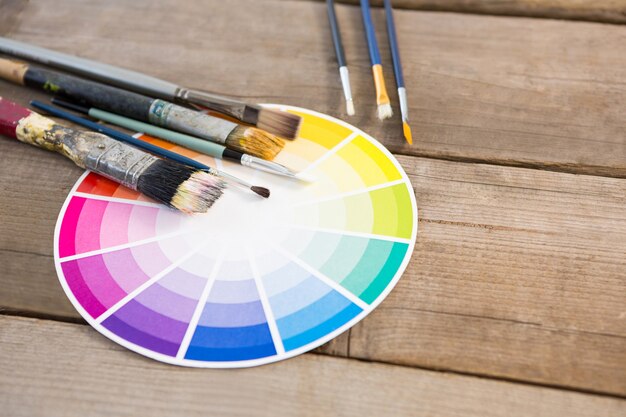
point(10, 115)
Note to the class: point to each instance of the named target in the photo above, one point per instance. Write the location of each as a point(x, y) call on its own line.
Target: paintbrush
point(397, 69)
point(208, 148)
point(155, 111)
point(154, 149)
point(280, 123)
point(341, 58)
point(178, 186)
point(382, 99)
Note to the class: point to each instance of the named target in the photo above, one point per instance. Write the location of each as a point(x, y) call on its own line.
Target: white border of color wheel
point(269, 359)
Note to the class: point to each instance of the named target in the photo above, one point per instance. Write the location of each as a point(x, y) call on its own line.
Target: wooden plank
point(511, 91)
point(53, 369)
point(517, 273)
point(611, 11)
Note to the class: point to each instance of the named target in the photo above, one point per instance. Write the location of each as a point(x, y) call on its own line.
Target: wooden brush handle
point(12, 70)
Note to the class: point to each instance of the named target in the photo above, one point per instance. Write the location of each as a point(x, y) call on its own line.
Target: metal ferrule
point(119, 162)
point(182, 119)
point(215, 102)
point(404, 108)
point(267, 166)
point(345, 82)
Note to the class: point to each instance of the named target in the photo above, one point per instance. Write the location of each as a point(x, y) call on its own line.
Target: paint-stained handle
point(12, 71)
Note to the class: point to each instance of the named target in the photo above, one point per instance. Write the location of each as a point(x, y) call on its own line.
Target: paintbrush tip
point(280, 123)
point(262, 191)
point(407, 132)
point(350, 107)
point(384, 111)
point(255, 142)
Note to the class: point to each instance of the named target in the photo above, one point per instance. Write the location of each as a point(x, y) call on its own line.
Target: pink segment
point(142, 222)
point(113, 231)
point(68, 227)
point(88, 226)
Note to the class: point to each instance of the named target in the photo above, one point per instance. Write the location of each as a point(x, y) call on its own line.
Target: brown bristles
point(255, 142)
point(281, 123)
point(262, 191)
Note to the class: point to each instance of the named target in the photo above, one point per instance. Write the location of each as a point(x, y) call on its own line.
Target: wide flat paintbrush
point(154, 149)
point(279, 123)
point(155, 111)
point(208, 148)
point(176, 185)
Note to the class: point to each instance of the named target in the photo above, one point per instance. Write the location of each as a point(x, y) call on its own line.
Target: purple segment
point(167, 303)
point(183, 283)
point(145, 340)
point(99, 281)
point(150, 258)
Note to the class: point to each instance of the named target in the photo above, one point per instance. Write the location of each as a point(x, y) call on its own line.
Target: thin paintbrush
point(397, 69)
point(208, 148)
point(382, 99)
point(280, 123)
point(179, 186)
point(157, 150)
point(341, 58)
point(241, 138)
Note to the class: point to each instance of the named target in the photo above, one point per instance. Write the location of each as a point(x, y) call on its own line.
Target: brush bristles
point(384, 111)
point(280, 123)
point(350, 107)
point(181, 187)
point(262, 191)
point(255, 142)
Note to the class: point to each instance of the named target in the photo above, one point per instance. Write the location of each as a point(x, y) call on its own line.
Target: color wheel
point(252, 281)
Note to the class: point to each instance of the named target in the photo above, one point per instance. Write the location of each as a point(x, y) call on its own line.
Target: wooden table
point(514, 302)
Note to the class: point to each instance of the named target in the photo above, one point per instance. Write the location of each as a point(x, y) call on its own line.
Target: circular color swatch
point(252, 281)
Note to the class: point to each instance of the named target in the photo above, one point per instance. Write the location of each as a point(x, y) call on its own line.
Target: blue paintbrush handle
point(122, 137)
point(393, 43)
point(370, 32)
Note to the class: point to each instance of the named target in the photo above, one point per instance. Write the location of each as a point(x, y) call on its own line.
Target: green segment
point(386, 274)
point(393, 211)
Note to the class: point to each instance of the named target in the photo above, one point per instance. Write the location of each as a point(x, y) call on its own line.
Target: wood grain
point(517, 273)
point(611, 11)
point(510, 91)
point(56, 369)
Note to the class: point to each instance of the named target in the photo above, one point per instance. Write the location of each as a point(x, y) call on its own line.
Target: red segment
point(10, 115)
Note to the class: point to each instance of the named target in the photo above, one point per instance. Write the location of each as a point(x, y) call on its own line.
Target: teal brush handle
point(209, 148)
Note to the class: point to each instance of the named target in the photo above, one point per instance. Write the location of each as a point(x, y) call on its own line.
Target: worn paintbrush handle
point(83, 91)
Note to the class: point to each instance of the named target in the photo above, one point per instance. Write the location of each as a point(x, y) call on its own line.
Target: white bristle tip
point(384, 111)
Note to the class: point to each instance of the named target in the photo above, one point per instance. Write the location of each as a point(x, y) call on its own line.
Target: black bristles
point(160, 181)
point(262, 191)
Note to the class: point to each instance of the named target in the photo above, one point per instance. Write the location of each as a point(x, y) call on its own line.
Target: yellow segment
point(369, 161)
point(321, 131)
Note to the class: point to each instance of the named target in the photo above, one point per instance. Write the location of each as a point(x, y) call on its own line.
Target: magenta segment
point(150, 258)
point(81, 291)
point(88, 227)
point(99, 281)
point(142, 222)
point(68, 227)
point(114, 226)
point(124, 270)
point(167, 303)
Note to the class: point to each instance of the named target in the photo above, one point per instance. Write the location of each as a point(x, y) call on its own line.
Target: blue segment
point(316, 320)
point(306, 293)
point(323, 328)
point(231, 343)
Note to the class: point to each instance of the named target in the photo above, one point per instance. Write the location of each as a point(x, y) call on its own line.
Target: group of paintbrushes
point(139, 102)
point(382, 98)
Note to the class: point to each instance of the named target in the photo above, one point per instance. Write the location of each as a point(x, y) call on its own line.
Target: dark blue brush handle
point(370, 32)
point(334, 29)
point(115, 134)
point(393, 43)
